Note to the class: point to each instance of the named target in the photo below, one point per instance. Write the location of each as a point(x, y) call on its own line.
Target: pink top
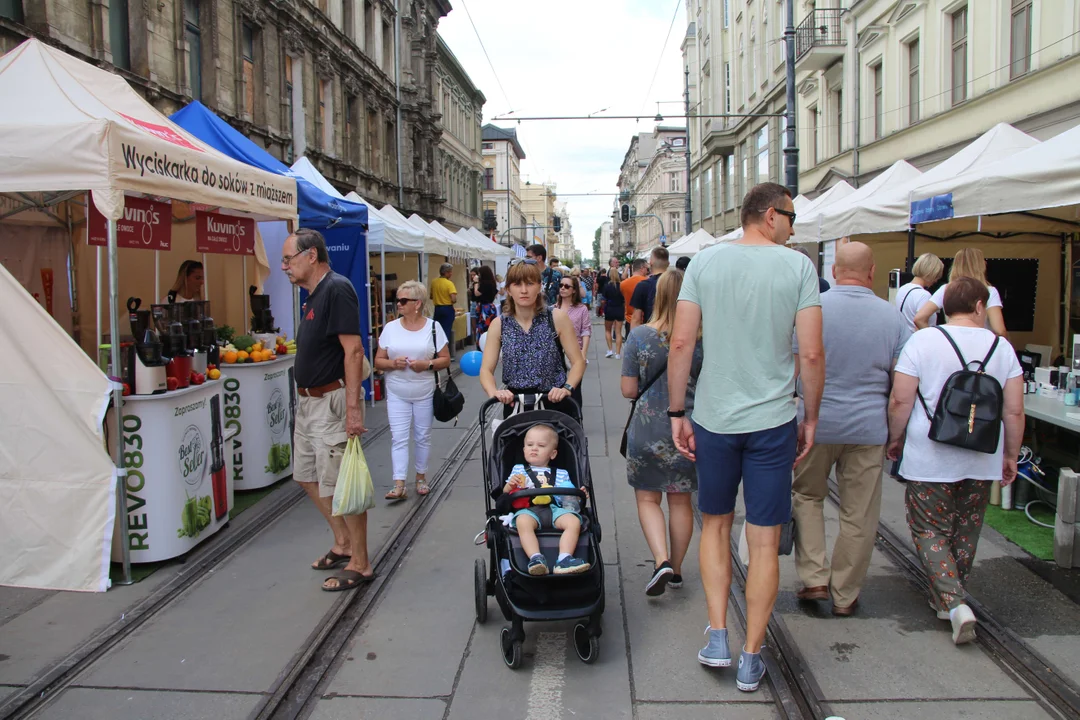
point(579, 316)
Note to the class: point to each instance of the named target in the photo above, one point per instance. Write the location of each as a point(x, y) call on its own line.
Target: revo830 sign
point(224, 234)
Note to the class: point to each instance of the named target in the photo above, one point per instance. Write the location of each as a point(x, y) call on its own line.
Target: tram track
point(44, 688)
point(1048, 686)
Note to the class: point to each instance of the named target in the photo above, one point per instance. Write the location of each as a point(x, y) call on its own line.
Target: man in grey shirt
point(863, 336)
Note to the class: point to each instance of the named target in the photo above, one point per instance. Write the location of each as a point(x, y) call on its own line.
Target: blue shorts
point(588, 298)
point(556, 513)
point(764, 459)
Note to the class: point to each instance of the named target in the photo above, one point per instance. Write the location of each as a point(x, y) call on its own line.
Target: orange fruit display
point(230, 356)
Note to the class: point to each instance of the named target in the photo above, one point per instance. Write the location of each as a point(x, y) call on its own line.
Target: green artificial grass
point(1014, 525)
point(242, 500)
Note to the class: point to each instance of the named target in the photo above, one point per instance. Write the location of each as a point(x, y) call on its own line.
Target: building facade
point(313, 78)
point(458, 158)
point(884, 80)
point(652, 180)
point(606, 248)
point(502, 156)
point(538, 207)
point(564, 238)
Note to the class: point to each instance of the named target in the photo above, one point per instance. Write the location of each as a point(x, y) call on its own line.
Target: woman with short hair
point(532, 341)
point(411, 348)
point(968, 263)
point(948, 487)
point(911, 297)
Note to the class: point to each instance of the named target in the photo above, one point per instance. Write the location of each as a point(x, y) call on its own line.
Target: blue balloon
point(470, 362)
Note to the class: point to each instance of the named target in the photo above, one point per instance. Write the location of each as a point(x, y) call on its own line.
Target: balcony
point(819, 40)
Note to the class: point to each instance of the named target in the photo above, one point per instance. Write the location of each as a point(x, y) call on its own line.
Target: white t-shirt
point(179, 298)
point(412, 345)
point(938, 298)
point(929, 357)
point(909, 300)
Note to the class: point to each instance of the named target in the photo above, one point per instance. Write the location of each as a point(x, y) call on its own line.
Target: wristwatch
point(676, 413)
point(568, 387)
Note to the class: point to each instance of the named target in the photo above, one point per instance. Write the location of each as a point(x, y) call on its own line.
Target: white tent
point(387, 233)
point(66, 128)
point(888, 210)
point(434, 244)
point(451, 246)
point(811, 225)
point(691, 244)
point(485, 242)
point(801, 204)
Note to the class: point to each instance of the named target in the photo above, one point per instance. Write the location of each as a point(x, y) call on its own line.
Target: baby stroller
point(549, 597)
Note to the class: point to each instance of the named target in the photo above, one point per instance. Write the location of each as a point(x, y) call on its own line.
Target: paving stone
point(107, 704)
point(970, 709)
point(369, 708)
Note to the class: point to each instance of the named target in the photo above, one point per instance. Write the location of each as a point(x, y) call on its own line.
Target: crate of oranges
point(244, 349)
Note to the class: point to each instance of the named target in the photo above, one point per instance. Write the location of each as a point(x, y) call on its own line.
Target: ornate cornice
point(253, 10)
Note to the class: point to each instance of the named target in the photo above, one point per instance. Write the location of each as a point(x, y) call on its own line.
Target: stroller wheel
point(511, 650)
point(586, 644)
point(480, 590)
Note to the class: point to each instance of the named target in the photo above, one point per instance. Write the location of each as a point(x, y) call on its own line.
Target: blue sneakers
point(538, 565)
point(571, 565)
point(751, 670)
point(716, 652)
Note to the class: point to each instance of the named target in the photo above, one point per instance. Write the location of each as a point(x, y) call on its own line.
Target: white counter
point(1052, 410)
point(259, 400)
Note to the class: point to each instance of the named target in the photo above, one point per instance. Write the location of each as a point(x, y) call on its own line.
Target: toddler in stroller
point(560, 511)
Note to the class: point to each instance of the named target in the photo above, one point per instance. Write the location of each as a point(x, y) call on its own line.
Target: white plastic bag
point(355, 493)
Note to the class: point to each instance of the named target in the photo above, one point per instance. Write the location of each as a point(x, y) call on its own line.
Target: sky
point(573, 57)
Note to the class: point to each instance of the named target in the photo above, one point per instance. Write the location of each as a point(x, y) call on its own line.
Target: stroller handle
point(524, 399)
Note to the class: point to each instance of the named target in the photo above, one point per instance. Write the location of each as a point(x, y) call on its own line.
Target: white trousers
point(407, 417)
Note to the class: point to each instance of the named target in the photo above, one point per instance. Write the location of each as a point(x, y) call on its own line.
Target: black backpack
point(968, 412)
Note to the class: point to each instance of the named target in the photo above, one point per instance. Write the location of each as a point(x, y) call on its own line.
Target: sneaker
point(941, 614)
point(659, 580)
point(716, 653)
point(609, 353)
point(571, 566)
point(675, 581)
point(963, 624)
point(538, 565)
point(751, 670)
point(618, 356)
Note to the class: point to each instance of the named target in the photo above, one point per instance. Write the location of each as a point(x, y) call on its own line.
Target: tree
point(596, 247)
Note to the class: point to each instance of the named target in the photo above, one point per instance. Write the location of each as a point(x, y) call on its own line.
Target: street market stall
point(76, 137)
point(689, 245)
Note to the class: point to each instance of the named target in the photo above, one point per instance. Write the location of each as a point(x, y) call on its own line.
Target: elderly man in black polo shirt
point(329, 370)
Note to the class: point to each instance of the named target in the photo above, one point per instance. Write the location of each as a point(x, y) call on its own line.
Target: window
point(696, 196)
point(373, 144)
point(348, 18)
point(12, 10)
point(674, 182)
point(192, 34)
point(118, 32)
point(287, 98)
point(352, 128)
point(729, 182)
point(389, 156)
point(875, 78)
point(813, 121)
point(326, 114)
point(727, 89)
point(727, 11)
point(488, 146)
point(387, 47)
point(489, 178)
point(913, 81)
point(674, 224)
point(718, 180)
point(838, 116)
point(763, 154)
point(247, 44)
point(706, 194)
point(1020, 40)
point(369, 29)
point(959, 56)
point(747, 168)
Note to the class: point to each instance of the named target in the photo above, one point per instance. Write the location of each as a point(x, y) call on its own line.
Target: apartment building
point(538, 207)
point(458, 156)
point(502, 156)
point(652, 180)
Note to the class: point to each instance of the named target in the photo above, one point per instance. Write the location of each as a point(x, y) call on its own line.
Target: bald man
point(863, 336)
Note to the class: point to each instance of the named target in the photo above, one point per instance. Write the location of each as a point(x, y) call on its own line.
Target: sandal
point(422, 487)
point(347, 580)
point(399, 492)
point(331, 561)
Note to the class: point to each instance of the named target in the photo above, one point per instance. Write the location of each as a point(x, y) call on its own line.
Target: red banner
point(161, 131)
point(47, 286)
point(224, 234)
point(146, 225)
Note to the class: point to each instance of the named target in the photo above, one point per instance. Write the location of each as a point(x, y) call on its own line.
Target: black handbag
point(633, 406)
point(448, 400)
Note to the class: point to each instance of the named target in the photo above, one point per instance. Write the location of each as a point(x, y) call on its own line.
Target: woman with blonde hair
point(614, 306)
point(532, 340)
point(968, 263)
point(911, 297)
point(654, 467)
point(411, 348)
point(188, 285)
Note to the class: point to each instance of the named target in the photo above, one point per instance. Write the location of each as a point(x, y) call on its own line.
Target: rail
point(820, 28)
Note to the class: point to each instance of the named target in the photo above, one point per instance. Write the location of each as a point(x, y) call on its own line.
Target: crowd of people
point(744, 369)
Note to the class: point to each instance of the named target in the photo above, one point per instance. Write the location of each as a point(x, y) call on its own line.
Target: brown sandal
point(399, 492)
point(422, 487)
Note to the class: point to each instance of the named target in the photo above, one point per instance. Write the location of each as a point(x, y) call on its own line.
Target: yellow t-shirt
point(441, 290)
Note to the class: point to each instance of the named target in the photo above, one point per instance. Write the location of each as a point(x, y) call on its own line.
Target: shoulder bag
point(633, 405)
point(448, 400)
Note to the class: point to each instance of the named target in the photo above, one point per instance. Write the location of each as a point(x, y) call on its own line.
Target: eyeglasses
point(287, 259)
point(566, 286)
point(404, 301)
point(527, 261)
point(790, 215)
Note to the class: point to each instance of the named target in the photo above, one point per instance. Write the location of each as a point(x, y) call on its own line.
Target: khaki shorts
point(319, 440)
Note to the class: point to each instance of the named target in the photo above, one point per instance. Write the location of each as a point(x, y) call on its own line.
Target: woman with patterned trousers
point(948, 487)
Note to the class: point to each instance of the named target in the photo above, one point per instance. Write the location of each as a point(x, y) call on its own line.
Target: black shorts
point(618, 315)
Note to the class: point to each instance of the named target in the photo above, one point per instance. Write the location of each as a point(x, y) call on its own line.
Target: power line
point(634, 117)
point(490, 64)
point(660, 59)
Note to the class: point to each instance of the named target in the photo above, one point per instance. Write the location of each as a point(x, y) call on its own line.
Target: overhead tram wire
point(507, 118)
point(488, 57)
point(660, 60)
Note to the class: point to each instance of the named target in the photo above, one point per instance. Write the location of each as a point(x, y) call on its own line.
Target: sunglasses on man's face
point(789, 215)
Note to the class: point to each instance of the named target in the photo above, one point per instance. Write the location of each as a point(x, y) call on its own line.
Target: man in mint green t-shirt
point(747, 297)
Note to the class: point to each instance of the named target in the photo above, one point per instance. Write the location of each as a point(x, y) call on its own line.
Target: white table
point(259, 398)
point(1053, 411)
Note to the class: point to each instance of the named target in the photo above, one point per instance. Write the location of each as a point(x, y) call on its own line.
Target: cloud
point(573, 57)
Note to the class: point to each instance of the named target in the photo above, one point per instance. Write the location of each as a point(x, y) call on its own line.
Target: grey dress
point(652, 462)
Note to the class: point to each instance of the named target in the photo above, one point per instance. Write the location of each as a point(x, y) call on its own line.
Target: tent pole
point(371, 329)
point(206, 280)
point(243, 291)
point(118, 401)
point(910, 248)
point(97, 304)
point(157, 274)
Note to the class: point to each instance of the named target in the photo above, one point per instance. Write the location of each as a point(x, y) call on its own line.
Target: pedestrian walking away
point(948, 487)
point(654, 467)
point(746, 297)
point(644, 295)
point(863, 336)
point(329, 369)
point(911, 296)
point(626, 287)
point(483, 294)
point(444, 296)
point(531, 341)
point(412, 349)
point(614, 307)
point(968, 263)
